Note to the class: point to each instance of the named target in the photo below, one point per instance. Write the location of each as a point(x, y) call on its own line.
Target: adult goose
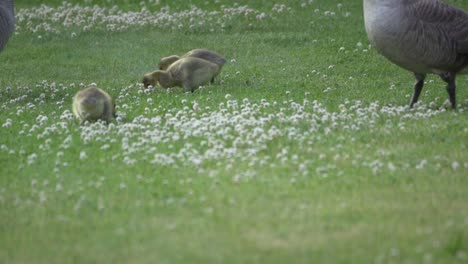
point(7, 21)
point(421, 36)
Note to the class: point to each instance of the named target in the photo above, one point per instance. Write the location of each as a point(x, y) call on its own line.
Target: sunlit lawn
point(303, 151)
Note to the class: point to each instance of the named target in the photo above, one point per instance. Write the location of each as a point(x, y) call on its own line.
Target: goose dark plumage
point(7, 21)
point(421, 36)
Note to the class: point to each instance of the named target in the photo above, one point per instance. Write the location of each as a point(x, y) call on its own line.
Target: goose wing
point(463, 47)
point(447, 21)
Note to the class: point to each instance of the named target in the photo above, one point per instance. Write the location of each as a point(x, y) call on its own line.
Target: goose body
point(204, 54)
point(92, 104)
point(7, 21)
point(421, 36)
point(189, 72)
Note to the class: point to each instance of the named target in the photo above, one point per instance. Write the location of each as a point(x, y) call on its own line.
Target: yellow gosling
point(92, 104)
point(189, 73)
point(204, 54)
point(165, 62)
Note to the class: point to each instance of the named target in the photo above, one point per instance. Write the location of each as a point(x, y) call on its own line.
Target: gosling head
point(165, 62)
point(92, 104)
point(150, 79)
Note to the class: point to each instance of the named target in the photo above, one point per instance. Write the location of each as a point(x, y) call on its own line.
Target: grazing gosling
point(421, 36)
point(189, 73)
point(205, 54)
point(92, 104)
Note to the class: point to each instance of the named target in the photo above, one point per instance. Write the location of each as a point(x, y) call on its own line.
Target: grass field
point(303, 151)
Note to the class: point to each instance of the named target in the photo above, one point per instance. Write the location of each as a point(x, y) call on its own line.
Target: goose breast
point(423, 36)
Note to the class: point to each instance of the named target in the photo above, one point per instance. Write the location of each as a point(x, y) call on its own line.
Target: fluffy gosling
point(205, 54)
point(92, 104)
point(189, 73)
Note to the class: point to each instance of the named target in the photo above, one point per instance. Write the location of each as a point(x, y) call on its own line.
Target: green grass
point(299, 153)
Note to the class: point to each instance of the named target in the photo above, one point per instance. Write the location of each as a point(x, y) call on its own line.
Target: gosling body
point(189, 73)
point(204, 54)
point(92, 104)
point(421, 36)
point(165, 62)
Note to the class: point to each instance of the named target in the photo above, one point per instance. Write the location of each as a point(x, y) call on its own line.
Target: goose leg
point(449, 78)
point(417, 87)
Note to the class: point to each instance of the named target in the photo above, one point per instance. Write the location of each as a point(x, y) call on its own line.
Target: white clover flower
point(455, 165)
point(83, 155)
point(7, 123)
point(105, 147)
point(32, 158)
point(421, 164)
point(261, 16)
point(195, 106)
point(129, 161)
